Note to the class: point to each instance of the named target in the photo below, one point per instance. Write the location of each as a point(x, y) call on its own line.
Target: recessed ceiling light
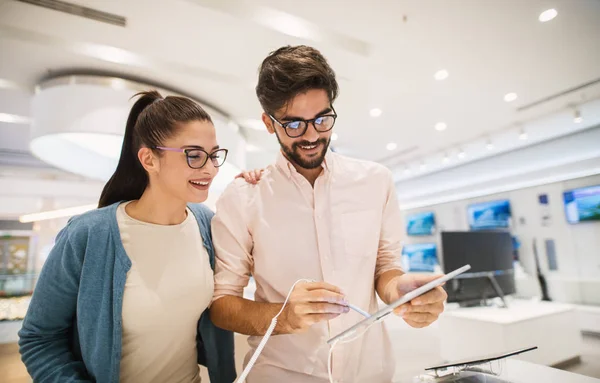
point(489, 145)
point(440, 126)
point(14, 119)
point(577, 117)
point(391, 146)
point(375, 112)
point(446, 159)
point(548, 15)
point(462, 154)
point(334, 137)
point(510, 97)
point(523, 135)
point(441, 75)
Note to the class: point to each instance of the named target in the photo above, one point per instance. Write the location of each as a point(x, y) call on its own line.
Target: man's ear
point(269, 124)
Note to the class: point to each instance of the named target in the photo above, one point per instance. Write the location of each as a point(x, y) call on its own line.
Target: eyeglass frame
point(307, 122)
point(187, 156)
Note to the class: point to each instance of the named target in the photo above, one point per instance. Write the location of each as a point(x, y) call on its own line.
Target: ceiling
point(385, 54)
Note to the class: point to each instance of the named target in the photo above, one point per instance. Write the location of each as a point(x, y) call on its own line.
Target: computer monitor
point(420, 223)
point(485, 251)
point(489, 215)
point(419, 257)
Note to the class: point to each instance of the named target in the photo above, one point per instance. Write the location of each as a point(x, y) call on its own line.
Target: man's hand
point(311, 303)
point(423, 310)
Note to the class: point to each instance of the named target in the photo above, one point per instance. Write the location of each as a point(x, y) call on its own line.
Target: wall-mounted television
point(582, 204)
point(420, 223)
point(419, 257)
point(489, 215)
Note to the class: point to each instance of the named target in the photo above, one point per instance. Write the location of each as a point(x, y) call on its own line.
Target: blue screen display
point(419, 257)
point(582, 204)
point(489, 215)
point(420, 224)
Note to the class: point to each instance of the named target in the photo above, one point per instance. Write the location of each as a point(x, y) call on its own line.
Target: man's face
point(308, 150)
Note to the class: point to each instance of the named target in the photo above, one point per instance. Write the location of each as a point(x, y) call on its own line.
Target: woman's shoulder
point(94, 221)
point(202, 212)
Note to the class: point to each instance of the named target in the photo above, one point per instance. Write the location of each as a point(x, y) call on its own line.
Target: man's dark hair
point(289, 71)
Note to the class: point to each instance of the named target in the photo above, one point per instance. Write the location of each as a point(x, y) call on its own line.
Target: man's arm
point(391, 282)
point(309, 303)
point(388, 266)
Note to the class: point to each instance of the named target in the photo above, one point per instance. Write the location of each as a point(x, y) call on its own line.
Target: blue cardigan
point(72, 330)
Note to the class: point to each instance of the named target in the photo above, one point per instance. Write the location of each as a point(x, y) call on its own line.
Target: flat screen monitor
point(489, 215)
point(420, 257)
point(485, 251)
point(420, 223)
point(582, 205)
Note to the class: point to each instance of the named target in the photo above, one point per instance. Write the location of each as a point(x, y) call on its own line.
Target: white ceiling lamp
point(334, 137)
point(577, 117)
point(441, 126)
point(375, 112)
point(510, 97)
point(14, 119)
point(7, 84)
point(523, 135)
point(548, 15)
point(441, 75)
point(489, 145)
point(79, 122)
point(391, 146)
point(446, 159)
point(53, 214)
point(461, 154)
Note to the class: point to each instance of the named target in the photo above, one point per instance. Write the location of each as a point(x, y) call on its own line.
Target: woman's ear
point(149, 160)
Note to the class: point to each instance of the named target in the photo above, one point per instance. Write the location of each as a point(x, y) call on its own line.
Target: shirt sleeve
point(390, 239)
point(233, 243)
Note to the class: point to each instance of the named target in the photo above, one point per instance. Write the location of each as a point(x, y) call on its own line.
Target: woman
point(124, 293)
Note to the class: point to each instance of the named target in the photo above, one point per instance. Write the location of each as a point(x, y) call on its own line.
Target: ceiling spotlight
point(577, 117)
point(489, 145)
point(334, 137)
point(440, 126)
point(446, 159)
point(14, 119)
point(461, 154)
point(391, 146)
point(441, 75)
point(523, 135)
point(510, 97)
point(548, 15)
point(375, 112)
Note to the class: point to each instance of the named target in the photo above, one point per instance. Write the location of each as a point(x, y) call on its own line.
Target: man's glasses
point(197, 158)
point(297, 128)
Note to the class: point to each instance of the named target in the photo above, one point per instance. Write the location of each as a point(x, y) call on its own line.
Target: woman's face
point(174, 176)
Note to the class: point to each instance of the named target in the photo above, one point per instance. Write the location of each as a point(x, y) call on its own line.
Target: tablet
point(379, 315)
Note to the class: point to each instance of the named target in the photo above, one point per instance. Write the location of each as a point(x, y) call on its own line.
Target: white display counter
point(472, 332)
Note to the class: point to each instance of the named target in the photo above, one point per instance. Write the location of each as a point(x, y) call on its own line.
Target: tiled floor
point(13, 371)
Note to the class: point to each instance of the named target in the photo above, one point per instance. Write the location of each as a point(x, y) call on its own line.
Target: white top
point(517, 311)
point(169, 285)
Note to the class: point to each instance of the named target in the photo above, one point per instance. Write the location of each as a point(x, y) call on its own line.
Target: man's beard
point(293, 153)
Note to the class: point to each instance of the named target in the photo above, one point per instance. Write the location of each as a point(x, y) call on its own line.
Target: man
point(314, 215)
